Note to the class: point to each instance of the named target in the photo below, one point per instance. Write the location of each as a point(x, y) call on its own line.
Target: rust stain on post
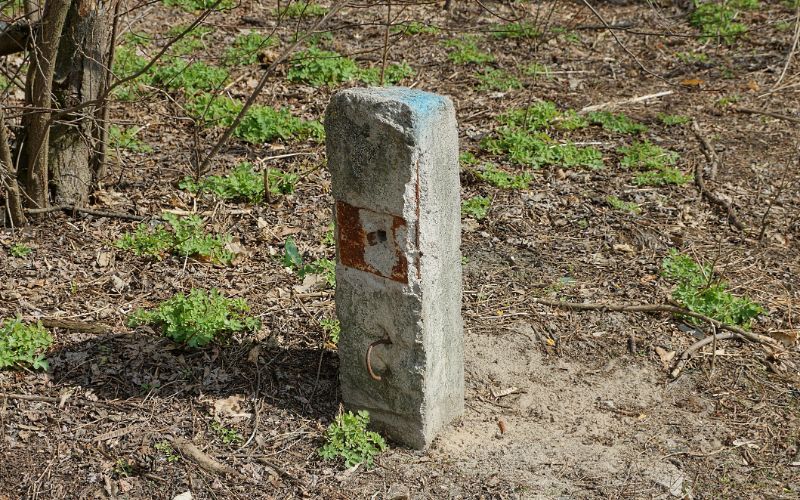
point(354, 239)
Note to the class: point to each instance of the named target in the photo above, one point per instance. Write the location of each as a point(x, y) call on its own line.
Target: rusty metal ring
point(372, 374)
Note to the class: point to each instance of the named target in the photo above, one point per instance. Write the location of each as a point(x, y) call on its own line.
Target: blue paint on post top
point(419, 101)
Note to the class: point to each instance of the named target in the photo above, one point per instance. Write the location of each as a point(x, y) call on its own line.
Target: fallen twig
point(204, 461)
point(88, 211)
point(687, 354)
point(77, 326)
point(632, 100)
point(657, 308)
point(712, 198)
point(772, 114)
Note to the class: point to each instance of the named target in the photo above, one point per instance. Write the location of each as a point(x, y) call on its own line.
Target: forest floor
point(587, 399)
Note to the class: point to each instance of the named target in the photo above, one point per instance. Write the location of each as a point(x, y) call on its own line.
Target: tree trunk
point(80, 77)
point(32, 171)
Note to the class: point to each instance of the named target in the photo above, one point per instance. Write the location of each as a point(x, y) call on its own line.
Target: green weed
point(347, 438)
point(301, 8)
point(190, 77)
point(717, 20)
point(246, 47)
point(194, 5)
point(191, 41)
point(137, 39)
point(187, 239)
point(536, 149)
point(465, 51)
point(700, 291)
point(497, 79)
point(126, 139)
point(692, 57)
point(294, 260)
point(198, 318)
point(416, 28)
point(467, 159)
point(128, 62)
point(646, 156)
point(226, 434)
point(264, 124)
point(167, 450)
point(122, 468)
point(332, 329)
point(23, 344)
point(728, 100)
point(318, 67)
point(655, 163)
point(537, 70)
point(20, 250)
point(503, 179)
point(328, 240)
point(672, 120)
point(536, 117)
point(476, 207)
point(243, 183)
point(616, 122)
point(662, 177)
point(520, 29)
point(623, 206)
point(261, 123)
point(394, 74)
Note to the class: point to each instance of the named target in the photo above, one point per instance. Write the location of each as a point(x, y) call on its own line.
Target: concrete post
point(393, 157)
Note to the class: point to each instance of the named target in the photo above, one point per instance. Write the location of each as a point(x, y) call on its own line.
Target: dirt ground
point(585, 399)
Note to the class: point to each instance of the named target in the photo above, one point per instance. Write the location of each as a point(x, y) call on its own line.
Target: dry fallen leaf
point(666, 356)
point(230, 407)
point(692, 82)
point(502, 425)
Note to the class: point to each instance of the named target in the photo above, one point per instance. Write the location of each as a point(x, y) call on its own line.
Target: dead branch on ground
point(711, 197)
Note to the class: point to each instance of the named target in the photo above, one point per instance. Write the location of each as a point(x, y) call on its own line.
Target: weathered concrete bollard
point(393, 157)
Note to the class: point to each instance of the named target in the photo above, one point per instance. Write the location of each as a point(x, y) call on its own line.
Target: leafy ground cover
point(560, 203)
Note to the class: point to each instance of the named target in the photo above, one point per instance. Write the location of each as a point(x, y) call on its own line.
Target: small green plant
point(728, 100)
point(673, 120)
point(476, 207)
point(655, 163)
point(497, 79)
point(126, 139)
point(261, 123)
point(226, 434)
point(294, 260)
point(194, 5)
point(301, 8)
point(394, 74)
point(467, 159)
point(190, 42)
point(465, 51)
point(127, 62)
point(23, 344)
point(243, 183)
point(535, 149)
point(692, 57)
point(502, 179)
point(662, 177)
point(187, 239)
point(190, 77)
point(122, 468)
point(520, 29)
point(616, 122)
point(623, 206)
point(328, 240)
point(332, 329)
point(347, 438)
point(537, 70)
point(20, 250)
point(318, 67)
point(646, 156)
point(416, 28)
point(700, 291)
point(718, 20)
point(137, 39)
point(198, 318)
point(264, 124)
point(536, 117)
point(246, 47)
point(166, 449)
